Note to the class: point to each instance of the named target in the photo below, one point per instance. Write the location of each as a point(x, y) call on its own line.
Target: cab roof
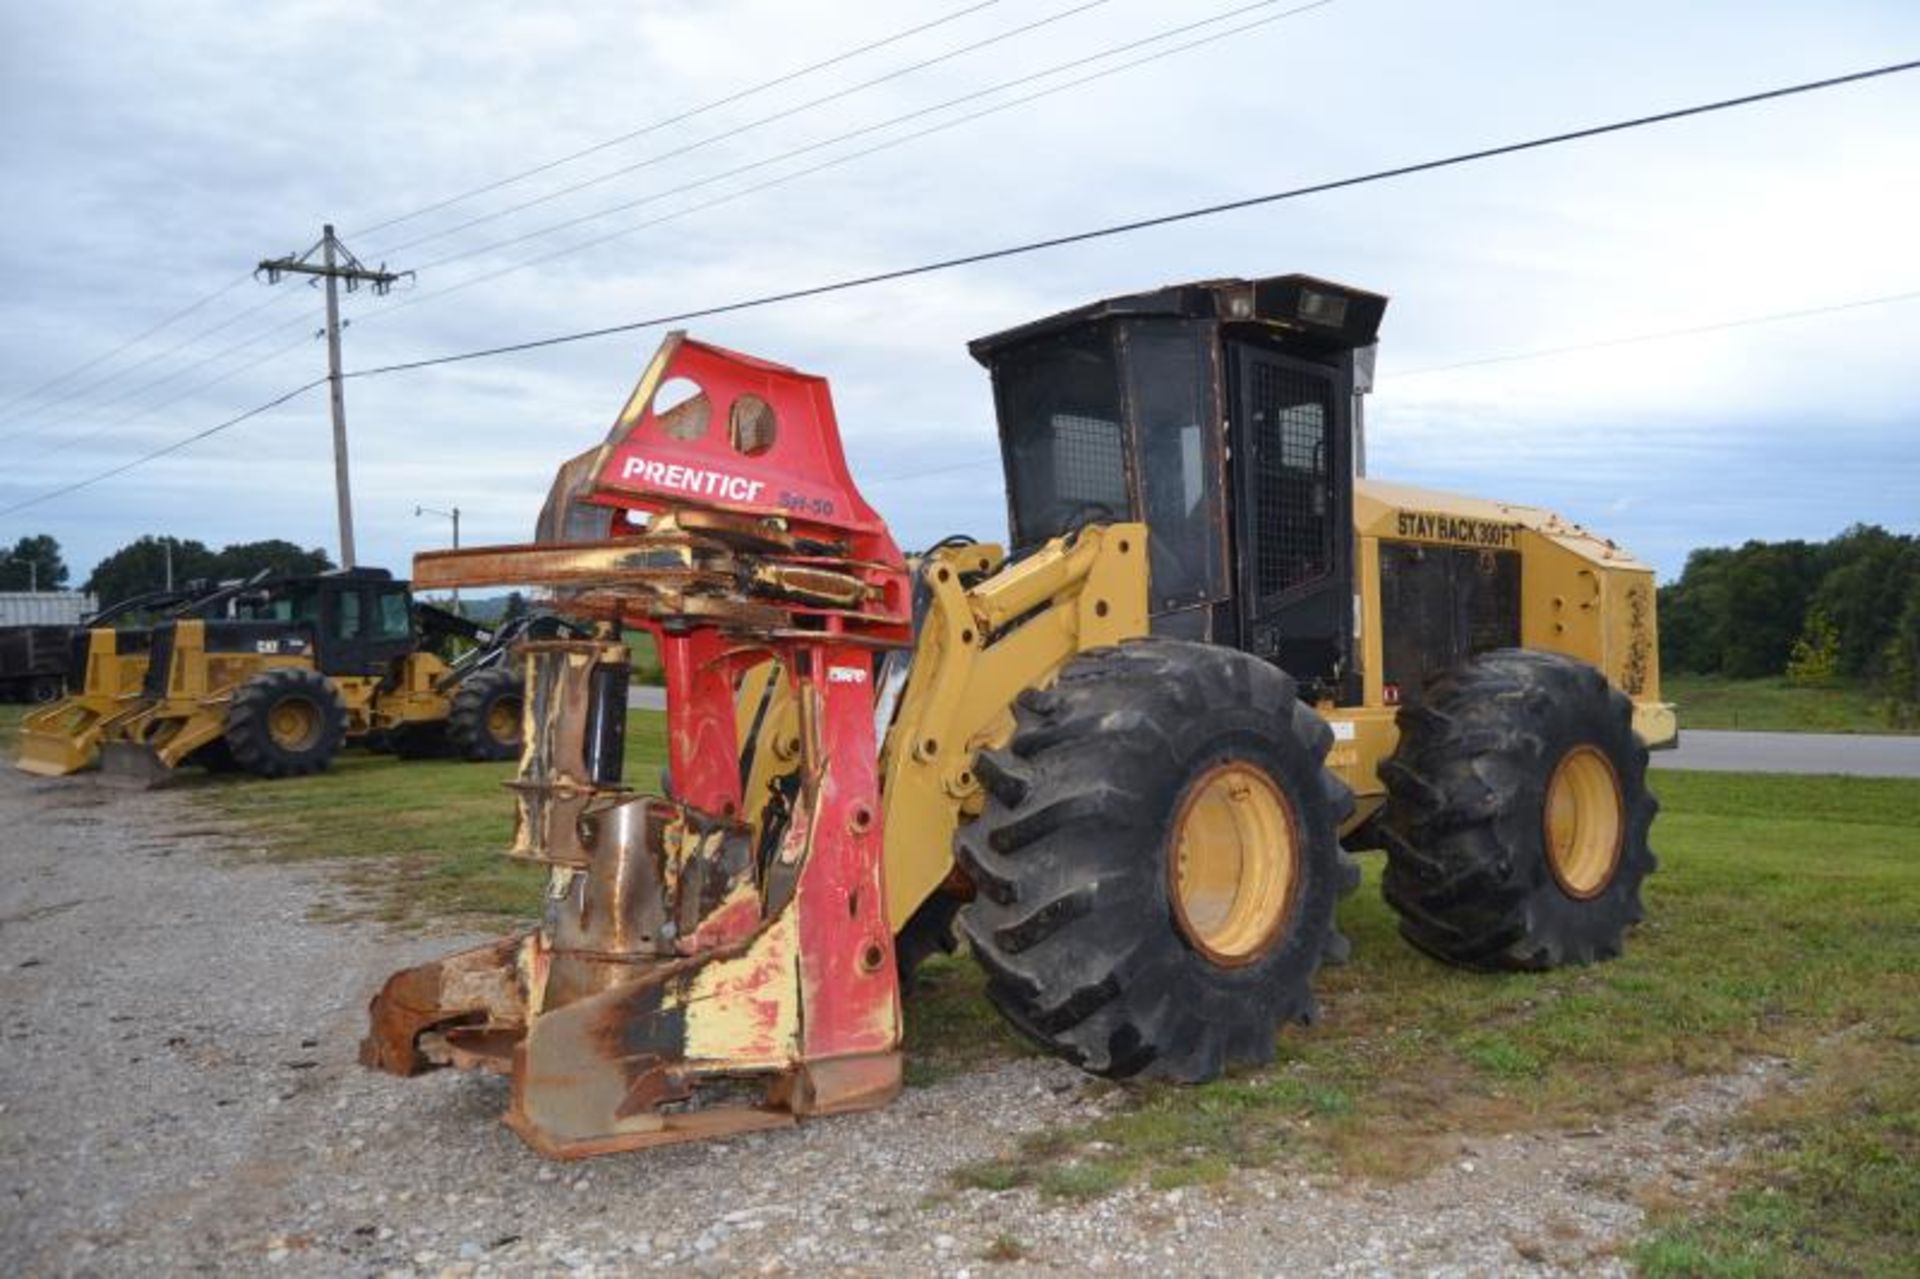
point(1315, 312)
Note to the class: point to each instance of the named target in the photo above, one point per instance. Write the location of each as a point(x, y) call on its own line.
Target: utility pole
point(453, 515)
point(336, 264)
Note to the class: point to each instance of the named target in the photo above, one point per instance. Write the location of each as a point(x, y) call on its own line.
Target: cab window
point(350, 615)
point(1168, 372)
point(392, 621)
point(1066, 452)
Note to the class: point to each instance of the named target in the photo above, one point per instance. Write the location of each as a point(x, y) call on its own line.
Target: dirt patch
point(178, 1091)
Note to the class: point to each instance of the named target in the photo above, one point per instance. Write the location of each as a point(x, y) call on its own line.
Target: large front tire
point(1157, 864)
point(1517, 815)
point(484, 722)
point(286, 722)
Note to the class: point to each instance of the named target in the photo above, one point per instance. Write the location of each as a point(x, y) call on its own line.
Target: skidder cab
point(1220, 415)
point(275, 676)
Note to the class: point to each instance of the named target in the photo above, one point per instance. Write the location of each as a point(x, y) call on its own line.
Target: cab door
point(366, 627)
point(1292, 464)
point(388, 627)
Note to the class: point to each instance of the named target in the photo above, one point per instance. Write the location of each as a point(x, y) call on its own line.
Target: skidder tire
point(216, 757)
point(418, 741)
point(1157, 864)
point(484, 722)
point(1517, 815)
point(285, 723)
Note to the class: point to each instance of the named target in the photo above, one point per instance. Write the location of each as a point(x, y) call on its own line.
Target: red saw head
point(711, 428)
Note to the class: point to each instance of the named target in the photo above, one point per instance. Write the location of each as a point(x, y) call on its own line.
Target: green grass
point(1775, 705)
point(1835, 1189)
point(646, 658)
point(1785, 920)
point(1786, 914)
point(10, 717)
point(418, 840)
point(951, 1027)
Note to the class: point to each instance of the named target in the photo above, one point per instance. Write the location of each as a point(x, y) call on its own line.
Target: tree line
point(1847, 608)
point(142, 565)
point(34, 564)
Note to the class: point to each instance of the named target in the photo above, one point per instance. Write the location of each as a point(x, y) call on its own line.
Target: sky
point(151, 153)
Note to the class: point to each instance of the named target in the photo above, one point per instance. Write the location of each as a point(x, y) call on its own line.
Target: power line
point(836, 161)
point(1657, 335)
point(139, 411)
point(75, 441)
point(727, 134)
point(864, 130)
point(88, 388)
point(1688, 331)
point(7, 407)
point(133, 341)
point(1141, 224)
point(982, 462)
point(158, 453)
point(691, 113)
point(1079, 237)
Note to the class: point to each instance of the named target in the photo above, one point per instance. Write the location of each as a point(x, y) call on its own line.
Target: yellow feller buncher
point(1119, 757)
point(273, 677)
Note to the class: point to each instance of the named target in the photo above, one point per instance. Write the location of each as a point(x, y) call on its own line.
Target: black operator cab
point(359, 621)
point(1221, 414)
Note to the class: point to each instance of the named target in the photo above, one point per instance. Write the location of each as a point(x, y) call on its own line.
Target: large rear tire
point(484, 722)
point(286, 722)
point(1517, 815)
point(1157, 864)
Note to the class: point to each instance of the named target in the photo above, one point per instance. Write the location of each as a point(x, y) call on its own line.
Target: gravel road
point(178, 1092)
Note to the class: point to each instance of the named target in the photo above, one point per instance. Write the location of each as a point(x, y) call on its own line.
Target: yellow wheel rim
point(1236, 863)
point(294, 724)
point(503, 720)
point(1585, 822)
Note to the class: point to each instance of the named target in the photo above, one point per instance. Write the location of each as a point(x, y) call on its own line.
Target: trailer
point(34, 661)
point(46, 608)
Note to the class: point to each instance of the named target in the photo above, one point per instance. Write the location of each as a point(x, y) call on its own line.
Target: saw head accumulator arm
point(707, 941)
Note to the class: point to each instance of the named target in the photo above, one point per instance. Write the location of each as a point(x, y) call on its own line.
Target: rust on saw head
point(708, 961)
point(476, 989)
point(671, 575)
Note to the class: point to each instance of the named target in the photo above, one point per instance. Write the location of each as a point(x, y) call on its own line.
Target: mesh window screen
point(1293, 527)
point(1089, 466)
point(1059, 403)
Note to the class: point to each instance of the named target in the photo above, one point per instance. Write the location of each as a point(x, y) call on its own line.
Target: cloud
point(155, 151)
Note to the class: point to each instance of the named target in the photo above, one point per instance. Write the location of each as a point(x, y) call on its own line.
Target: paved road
point(1856, 754)
point(1852, 753)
